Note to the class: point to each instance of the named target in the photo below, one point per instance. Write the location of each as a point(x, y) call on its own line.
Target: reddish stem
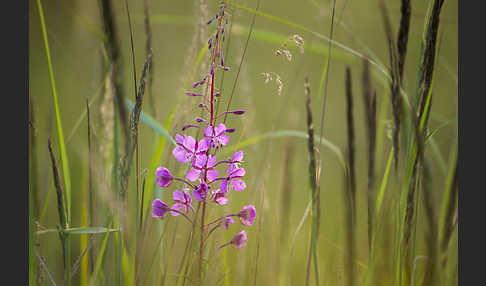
point(211, 123)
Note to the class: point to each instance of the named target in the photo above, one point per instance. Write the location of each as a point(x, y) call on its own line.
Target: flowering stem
point(221, 162)
point(185, 181)
point(216, 220)
point(183, 214)
point(202, 240)
point(211, 231)
point(219, 248)
point(211, 123)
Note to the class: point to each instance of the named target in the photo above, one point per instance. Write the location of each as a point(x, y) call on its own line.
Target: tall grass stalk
point(132, 147)
point(325, 77)
point(396, 99)
point(148, 49)
point(63, 219)
point(402, 39)
point(62, 147)
point(448, 208)
point(350, 181)
point(112, 49)
point(351, 143)
point(315, 192)
point(34, 205)
point(134, 120)
point(369, 99)
point(90, 182)
point(114, 87)
point(419, 117)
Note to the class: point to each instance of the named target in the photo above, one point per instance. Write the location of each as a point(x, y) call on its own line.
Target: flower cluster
point(209, 181)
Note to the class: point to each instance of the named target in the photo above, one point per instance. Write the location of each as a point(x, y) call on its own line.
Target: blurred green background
point(73, 29)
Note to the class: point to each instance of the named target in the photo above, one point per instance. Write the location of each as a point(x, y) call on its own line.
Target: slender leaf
point(64, 158)
point(152, 123)
point(79, 230)
point(286, 133)
point(99, 259)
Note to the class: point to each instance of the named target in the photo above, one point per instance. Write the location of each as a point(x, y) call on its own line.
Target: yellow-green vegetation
point(350, 141)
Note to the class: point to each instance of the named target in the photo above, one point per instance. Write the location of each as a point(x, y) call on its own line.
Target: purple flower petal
point(199, 161)
point(212, 175)
point(240, 172)
point(208, 131)
point(221, 200)
point(201, 192)
point(202, 146)
point(193, 175)
point(159, 208)
point(163, 177)
point(231, 169)
point(220, 129)
point(211, 161)
point(178, 196)
point(219, 197)
point(227, 221)
point(190, 143)
point(223, 186)
point(187, 198)
point(239, 240)
point(179, 139)
point(238, 185)
point(181, 154)
point(223, 139)
point(247, 215)
point(177, 207)
point(238, 156)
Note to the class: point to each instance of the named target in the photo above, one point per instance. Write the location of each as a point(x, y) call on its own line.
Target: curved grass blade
point(99, 260)
point(79, 230)
point(64, 158)
point(277, 39)
point(384, 183)
point(61, 206)
point(434, 131)
point(316, 34)
point(151, 122)
point(438, 156)
point(83, 114)
point(286, 133)
point(89, 230)
point(257, 34)
point(43, 264)
point(448, 203)
point(156, 157)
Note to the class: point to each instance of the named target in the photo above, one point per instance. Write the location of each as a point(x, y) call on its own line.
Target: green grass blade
point(438, 156)
point(99, 259)
point(154, 164)
point(384, 183)
point(449, 195)
point(434, 131)
point(83, 114)
point(273, 38)
point(89, 230)
point(287, 133)
point(79, 230)
point(64, 158)
point(42, 263)
point(32, 264)
point(316, 34)
point(152, 123)
point(261, 35)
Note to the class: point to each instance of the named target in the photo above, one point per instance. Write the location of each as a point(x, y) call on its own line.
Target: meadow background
point(277, 165)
